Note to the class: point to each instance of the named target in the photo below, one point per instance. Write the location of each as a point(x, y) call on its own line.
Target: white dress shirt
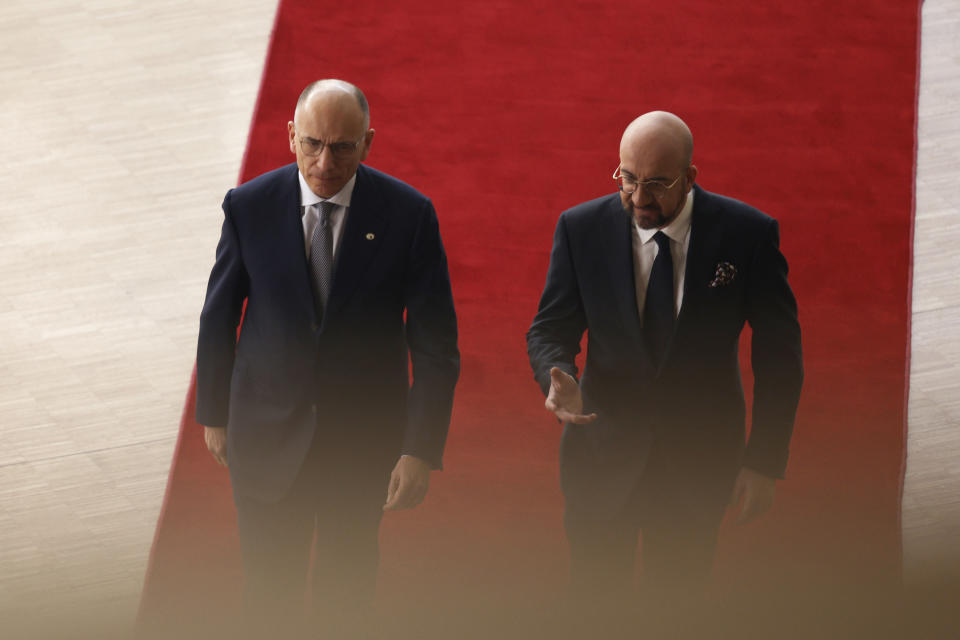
point(645, 251)
point(310, 211)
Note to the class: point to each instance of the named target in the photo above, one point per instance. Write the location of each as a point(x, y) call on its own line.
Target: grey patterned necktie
point(321, 256)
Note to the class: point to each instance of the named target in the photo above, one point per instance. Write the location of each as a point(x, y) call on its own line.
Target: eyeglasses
point(656, 188)
point(314, 147)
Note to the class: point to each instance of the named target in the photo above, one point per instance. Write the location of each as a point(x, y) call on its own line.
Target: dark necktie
point(321, 256)
point(658, 307)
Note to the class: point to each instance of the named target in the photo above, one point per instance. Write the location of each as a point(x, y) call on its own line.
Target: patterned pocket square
point(726, 274)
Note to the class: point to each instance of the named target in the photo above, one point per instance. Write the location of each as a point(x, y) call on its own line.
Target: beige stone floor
point(121, 124)
point(931, 499)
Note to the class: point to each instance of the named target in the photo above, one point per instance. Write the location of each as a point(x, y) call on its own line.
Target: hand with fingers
point(216, 439)
point(408, 484)
point(564, 398)
point(756, 491)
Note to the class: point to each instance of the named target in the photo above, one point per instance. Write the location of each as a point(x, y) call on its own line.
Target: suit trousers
point(323, 532)
point(677, 532)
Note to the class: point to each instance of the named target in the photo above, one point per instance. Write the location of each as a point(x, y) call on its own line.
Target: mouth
point(647, 217)
point(647, 211)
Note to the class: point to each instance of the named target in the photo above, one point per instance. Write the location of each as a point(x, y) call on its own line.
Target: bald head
point(663, 133)
point(656, 153)
point(334, 90)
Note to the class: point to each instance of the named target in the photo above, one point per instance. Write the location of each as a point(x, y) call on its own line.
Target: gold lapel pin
point(370, 236)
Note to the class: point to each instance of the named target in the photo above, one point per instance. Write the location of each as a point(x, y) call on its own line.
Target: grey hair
point(342, 85)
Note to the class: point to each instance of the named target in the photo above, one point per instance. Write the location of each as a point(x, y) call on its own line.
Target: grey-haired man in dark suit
point(346, 287)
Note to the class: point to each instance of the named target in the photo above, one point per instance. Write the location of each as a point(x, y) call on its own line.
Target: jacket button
point(314, 326)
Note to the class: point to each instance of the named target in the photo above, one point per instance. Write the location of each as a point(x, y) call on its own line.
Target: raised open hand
point(564, 398)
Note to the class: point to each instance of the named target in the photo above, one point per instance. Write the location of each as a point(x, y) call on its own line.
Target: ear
point(292, 134)
point(368, 140)
point(691, 175)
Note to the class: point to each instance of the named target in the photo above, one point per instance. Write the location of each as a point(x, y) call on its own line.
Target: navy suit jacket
point(289, 373)
point(689, 412)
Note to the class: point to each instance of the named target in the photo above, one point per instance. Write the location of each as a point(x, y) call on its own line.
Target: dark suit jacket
point(287, 374)
point(689, 414)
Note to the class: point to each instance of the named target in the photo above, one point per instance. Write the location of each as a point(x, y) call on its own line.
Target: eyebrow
point(655, 178)
point(310, 139)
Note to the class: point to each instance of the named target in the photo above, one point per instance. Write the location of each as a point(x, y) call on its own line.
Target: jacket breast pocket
point(723, 303)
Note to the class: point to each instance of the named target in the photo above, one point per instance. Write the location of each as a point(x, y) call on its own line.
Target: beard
point(651, 215)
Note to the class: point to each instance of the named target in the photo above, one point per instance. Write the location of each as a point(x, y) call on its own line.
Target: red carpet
point(507, 112)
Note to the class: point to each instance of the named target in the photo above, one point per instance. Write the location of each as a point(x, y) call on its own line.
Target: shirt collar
point(677, 230)
point(342, 197)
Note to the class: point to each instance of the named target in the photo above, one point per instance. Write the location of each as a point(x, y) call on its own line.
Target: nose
point(326, 161)
point(640, 197)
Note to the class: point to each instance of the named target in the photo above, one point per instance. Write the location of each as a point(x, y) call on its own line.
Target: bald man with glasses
point(662, 276)
point(345, 282)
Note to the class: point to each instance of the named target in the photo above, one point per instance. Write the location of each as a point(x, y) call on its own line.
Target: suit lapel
point(364, 230)
point(706, 238)
point(292, 242)
point(617, 243)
